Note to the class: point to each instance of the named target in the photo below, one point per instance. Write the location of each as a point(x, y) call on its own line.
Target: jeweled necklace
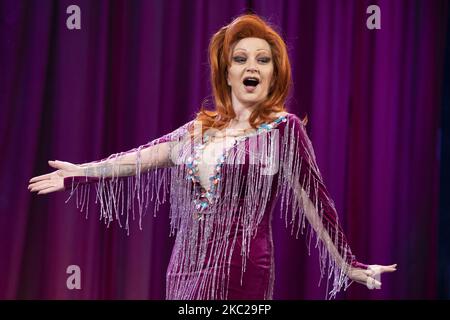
point(204, 198)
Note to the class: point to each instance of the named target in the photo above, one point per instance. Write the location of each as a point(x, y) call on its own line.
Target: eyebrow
point(247, 50)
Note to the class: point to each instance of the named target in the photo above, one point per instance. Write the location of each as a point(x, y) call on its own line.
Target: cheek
point(269, 79)
point(268, 74)
point(232, 75)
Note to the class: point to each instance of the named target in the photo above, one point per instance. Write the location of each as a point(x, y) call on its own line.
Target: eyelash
point(239, 59)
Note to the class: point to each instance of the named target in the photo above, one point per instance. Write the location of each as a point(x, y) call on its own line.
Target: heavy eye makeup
point(242, 59)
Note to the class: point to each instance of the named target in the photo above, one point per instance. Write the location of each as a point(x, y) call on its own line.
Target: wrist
point(71, 183)
point(359, 265)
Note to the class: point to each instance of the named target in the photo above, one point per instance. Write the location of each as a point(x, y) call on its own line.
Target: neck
point(241, 110)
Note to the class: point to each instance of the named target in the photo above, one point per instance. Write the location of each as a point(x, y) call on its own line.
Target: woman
point(226, 170)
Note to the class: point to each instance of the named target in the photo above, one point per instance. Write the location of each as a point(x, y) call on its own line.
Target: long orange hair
point(247, 25)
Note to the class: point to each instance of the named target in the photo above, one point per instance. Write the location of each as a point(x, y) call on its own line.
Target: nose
point(252, 69)
point(252, 66)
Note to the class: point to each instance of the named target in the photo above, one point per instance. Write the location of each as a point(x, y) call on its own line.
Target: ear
point(226, 77)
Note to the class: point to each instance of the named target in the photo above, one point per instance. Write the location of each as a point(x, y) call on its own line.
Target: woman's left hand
point(370, 277)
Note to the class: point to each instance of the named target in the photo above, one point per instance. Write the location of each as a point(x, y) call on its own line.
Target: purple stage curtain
point(138, 69)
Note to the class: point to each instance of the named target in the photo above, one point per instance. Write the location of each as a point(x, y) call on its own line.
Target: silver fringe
point(205, 241)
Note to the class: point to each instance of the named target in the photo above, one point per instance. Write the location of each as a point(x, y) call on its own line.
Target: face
point(251, 70)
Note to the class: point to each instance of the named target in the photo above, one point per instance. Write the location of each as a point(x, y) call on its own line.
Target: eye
point(264, 60)
point(239, 59)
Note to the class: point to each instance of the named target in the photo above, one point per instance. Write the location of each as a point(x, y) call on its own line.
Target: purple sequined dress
point(223, 246)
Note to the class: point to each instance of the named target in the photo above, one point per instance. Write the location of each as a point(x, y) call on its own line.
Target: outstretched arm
point(155, 154)
point(356, 271)
point(122, 165)
point(299, 169)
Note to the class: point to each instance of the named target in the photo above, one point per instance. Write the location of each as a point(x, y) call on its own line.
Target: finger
point(41, 177)
point(37, 187)
point(48, 190)
point(388, 269)
point(61, 163)
point(372, 283)
point(388, 266)
point(41, 187)
point(38, 184)
point(56, 164)
point(376, 269)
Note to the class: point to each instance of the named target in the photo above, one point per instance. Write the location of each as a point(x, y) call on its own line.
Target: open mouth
point(251, 82)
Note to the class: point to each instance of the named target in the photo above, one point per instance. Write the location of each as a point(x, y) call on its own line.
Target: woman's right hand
point(52, 182)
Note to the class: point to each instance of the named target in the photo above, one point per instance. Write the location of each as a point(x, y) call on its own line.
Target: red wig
point(247, 25)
